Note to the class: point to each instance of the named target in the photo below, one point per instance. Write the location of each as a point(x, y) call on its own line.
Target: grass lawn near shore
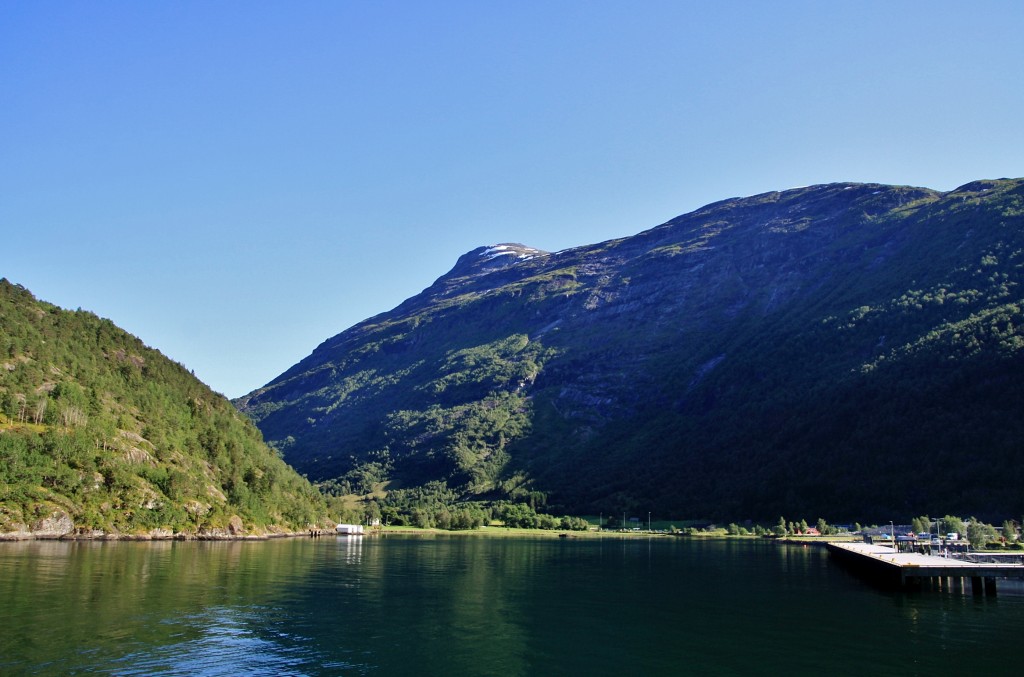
point(498, 531)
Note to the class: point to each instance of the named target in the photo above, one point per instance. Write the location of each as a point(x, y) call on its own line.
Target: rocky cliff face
point(792, 351)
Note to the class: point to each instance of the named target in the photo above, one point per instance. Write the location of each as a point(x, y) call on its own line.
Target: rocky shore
point(60, 526)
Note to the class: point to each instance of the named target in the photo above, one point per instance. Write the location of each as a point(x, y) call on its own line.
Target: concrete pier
point(884, 564)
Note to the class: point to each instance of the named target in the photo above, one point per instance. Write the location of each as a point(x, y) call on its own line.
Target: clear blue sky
point(236, 182)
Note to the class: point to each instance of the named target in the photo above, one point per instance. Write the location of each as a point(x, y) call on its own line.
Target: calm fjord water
point(458, 605)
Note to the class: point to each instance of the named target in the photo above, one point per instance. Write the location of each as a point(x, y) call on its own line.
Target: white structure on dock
point(349, 529)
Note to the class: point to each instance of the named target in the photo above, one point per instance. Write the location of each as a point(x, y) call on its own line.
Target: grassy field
point(498, 531)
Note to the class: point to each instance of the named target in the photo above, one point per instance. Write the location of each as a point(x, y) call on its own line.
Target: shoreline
point(21, 536)
point(486, 532)
point(382, 532)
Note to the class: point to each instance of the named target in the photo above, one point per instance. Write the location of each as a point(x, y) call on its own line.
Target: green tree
point(979, 534)
point(389, 515)
point(950, 524)
point(780, 528)
point(371, 512)
point(421, 518)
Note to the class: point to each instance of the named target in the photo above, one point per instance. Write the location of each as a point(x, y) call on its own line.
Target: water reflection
point(351, 548)
point(471, 606)
point(73, 604)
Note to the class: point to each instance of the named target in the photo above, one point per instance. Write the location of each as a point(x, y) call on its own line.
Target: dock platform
point(885, 565)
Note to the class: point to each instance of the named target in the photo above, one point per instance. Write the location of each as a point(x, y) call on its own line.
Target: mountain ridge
point(673, 329)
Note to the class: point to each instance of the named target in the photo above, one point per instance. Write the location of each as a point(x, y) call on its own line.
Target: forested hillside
point(850, 351)
point(99, 433)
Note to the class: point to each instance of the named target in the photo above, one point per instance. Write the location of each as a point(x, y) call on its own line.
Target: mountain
point(852, 351)
point(100, 435)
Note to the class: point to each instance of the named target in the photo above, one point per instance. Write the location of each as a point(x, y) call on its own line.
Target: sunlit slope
point(99, 432)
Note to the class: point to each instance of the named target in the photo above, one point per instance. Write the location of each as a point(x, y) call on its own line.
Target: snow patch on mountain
point(516, 250)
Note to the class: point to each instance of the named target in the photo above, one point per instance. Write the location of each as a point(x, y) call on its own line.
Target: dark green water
point(480, 606)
